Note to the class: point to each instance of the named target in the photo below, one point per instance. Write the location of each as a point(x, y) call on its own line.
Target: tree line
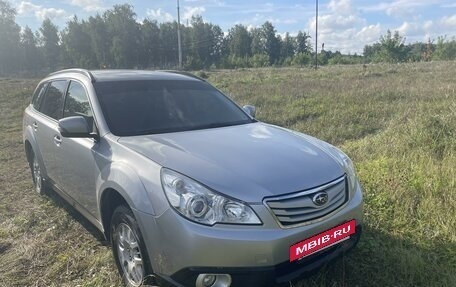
point(391, 48)
point(115, 39)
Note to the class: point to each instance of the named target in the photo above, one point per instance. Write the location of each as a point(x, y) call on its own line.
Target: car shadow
point(59, 201)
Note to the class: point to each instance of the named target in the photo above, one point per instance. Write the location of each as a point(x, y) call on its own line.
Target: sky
point(343, 25)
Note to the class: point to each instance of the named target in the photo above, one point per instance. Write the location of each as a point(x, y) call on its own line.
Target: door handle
point(57, 140)
point(35, 125)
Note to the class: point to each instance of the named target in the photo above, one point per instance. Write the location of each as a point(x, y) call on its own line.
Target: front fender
point(122, 178)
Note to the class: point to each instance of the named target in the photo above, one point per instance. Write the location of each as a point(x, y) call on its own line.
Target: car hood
point(247, 162)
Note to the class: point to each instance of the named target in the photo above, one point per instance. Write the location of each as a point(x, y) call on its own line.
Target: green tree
point(370, 51)
point(150, 39)
point(415, 51)
point(444, 49)
point(239, 41)
point(301, 59)
point(288, 47)
point(31, 56)
point(50, 44)
point(168, 45)
point(302, 43)
point(100, 41)
point(258, 41)
point(123, 30)
point(205, 42)
point(9, 39)
point(78, 49)
point(392, 49)
point(271, 42)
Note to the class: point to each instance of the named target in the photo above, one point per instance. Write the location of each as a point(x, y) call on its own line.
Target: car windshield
point(162, 106)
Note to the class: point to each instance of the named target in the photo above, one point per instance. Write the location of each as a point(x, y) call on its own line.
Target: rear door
point(45, 124)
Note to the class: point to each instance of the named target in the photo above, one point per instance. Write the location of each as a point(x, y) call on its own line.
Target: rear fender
point(29, 136)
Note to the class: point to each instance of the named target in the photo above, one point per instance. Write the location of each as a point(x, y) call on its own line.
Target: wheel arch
point(31, 148)
point(109, 201)
point(28, 150)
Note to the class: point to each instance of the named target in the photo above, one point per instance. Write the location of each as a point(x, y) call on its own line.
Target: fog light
point(213, 280)
point(209, 280)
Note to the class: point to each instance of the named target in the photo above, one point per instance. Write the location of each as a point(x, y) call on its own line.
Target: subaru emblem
point(320, 198)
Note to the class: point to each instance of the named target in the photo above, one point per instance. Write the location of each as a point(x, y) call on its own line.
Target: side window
point(53, 100)
point(38, 95)
point(77, 102)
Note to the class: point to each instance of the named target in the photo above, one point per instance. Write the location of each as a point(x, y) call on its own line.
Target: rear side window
point(77, 101)
point(53, 100)
point(38, 95)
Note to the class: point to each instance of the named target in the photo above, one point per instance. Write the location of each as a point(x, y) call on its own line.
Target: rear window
point(38, 95)
point(152, 106)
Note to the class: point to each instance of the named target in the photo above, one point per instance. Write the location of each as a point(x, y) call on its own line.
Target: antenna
point(179, 36)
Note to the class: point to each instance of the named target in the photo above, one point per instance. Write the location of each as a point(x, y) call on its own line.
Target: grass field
point(398, 123)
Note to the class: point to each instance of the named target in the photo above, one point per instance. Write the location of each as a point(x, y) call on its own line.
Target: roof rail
point(184, 73)
point(84, 72)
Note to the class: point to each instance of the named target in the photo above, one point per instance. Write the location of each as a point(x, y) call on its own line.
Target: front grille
point(299, 208)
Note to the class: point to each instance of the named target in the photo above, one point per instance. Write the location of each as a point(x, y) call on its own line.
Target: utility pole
point(179, 36)
point(316, 34)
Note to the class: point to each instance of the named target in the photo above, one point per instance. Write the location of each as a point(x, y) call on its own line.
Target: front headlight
point(346, 163)
point(202, 205)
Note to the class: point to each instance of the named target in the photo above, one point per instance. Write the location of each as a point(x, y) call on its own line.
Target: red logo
point(322, 240)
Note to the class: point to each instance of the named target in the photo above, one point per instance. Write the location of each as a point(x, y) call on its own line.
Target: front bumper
point(253, 255)
point(279, 275)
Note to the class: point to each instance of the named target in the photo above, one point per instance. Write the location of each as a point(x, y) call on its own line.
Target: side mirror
point(75, 127)
point(251, 110)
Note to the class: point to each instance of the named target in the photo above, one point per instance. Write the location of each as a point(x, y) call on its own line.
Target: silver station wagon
point(190, 189)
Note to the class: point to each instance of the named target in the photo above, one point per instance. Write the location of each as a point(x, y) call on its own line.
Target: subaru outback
point(190, 188)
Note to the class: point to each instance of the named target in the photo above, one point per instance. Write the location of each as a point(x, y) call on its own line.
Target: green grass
point(397, 122)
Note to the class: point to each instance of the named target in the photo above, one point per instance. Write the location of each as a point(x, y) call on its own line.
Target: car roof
point(129, 75)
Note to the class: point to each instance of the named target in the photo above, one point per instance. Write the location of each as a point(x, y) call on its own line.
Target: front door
point(78, 158)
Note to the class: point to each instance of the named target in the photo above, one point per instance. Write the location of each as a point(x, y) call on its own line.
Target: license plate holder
point(322, 240)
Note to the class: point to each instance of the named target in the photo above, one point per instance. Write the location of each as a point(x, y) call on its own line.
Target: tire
point(37, 174)
point(129, 250)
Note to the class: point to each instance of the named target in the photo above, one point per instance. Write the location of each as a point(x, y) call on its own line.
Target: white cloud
point(405, 28)
point(193, 11)
point(340, 6)
point(259, 19)
point(342, 28)
point(413, 31)
point(160, 15)
point(398, 8)
point(429, 29)
point(428, 25)
point(449, 21)
point(330, 23)
point(278, 21)
point(40, 12)
point(26, 7)
point(88, 5)
point(369, 34)
point(216, 2)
